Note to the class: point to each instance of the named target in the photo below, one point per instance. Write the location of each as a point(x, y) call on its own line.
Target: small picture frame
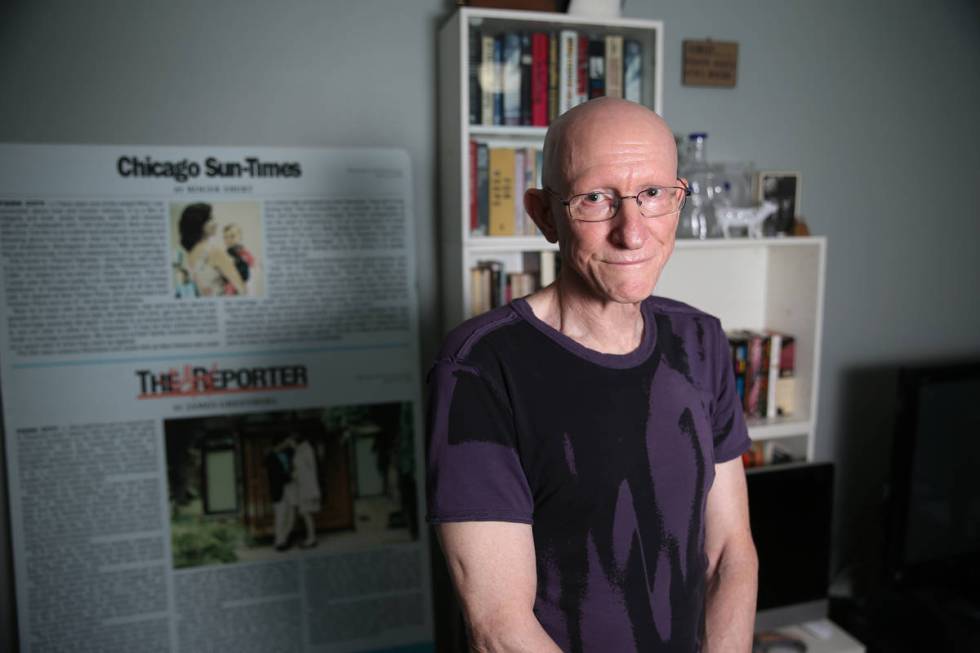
point(783, 188)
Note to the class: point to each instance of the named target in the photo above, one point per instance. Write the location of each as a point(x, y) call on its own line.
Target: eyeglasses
point(599, 206)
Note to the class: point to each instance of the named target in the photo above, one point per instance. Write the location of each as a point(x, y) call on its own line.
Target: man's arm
point(493, 569)
point(732, 563)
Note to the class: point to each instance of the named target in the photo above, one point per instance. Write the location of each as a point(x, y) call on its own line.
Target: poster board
point(209, 367)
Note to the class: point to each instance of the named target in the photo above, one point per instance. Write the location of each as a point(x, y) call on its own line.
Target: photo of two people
point(259, 486)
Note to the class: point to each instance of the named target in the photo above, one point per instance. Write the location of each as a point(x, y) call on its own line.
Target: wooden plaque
point(710, 63)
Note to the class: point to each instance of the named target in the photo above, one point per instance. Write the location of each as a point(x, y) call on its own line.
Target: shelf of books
point(768, 294)
point(503, 76)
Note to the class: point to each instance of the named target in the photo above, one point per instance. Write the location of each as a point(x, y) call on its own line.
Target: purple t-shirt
point(609, 457)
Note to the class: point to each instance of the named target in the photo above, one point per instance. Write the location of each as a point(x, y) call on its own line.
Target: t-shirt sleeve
point(474, 472)
point(729, 432)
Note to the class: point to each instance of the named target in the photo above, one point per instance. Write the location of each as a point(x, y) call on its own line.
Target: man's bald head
point(605, 120)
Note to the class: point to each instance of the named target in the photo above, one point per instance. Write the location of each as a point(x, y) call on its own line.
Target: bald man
point(584, 442)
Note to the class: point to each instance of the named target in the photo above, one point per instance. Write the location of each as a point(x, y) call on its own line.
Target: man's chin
point(632, 294)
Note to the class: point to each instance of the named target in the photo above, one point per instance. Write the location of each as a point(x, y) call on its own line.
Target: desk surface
point(822, 636)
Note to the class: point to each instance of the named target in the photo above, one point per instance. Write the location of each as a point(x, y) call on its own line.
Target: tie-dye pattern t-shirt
point(609, 457)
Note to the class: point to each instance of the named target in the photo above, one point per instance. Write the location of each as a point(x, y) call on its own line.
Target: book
point(511, 78)
point(597, 68)
point(526, 72)
point(633, 70)
point(568, 71)
point(530, 176)
point(548, 268)
point(786, 384)
point(501, 170)
point(487, 79)
point(552, 77)
point(519, 173)
point(539, 79)
point(482, 188)
point(475, 63)
point(739, 343)
point(775, 347)
point(614, 66)
point(754, 456)
point(474, 189)
point(756, 375)
point(478, 290)
point(582, 71)
point(498, 79)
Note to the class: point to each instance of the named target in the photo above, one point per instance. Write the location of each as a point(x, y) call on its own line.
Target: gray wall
point(874, 102)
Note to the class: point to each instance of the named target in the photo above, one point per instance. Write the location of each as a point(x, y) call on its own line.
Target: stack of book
point(491, 285)
point(764, 370)
point(530, 78)
point(766, 453)
point(498, 178)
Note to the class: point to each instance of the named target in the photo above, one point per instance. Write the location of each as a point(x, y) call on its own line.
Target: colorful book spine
point(518, 208)
point(597, 68)
point(501, 191)
point(512, 78)
point(527, 63)
point(476, 93)
point(553, 77)
point(488, 79)
point(539, 79)
point(482, 188)
point(582, 71)
point(740, 357)
point(633, 71)
point(474, 189)
point(614, 66)
point(786, 384)
point(568, 73)
point(498, 79)
point(775, 348)
point(530, 173)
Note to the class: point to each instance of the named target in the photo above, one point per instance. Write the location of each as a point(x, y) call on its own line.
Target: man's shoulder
point(461, 341)
point(673, 308)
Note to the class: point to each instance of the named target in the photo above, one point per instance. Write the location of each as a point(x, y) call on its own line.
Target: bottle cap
point(698, 136)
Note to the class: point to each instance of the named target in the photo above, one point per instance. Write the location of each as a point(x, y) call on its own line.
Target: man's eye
point(651, 192)
point(594, 197)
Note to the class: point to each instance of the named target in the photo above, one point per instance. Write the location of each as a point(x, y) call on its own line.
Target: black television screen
point(935, 492)
point(790, 512)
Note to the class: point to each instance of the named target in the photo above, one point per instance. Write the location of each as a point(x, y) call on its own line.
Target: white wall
point(874, 102)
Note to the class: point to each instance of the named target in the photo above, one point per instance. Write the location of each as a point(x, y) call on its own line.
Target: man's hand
point(733, 567)
point(493, 569)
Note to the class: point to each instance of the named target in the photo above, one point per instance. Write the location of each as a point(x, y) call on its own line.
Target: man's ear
point(538, 206)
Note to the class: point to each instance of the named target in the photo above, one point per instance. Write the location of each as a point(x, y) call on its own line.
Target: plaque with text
point(710, 63)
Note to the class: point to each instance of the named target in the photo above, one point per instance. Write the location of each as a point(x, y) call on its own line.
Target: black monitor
point(934, 516)
point(790, 508)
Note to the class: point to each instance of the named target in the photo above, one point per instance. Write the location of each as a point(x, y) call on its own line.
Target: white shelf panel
point(532, 134)
point(772, 428)
point(550, 20)
point(490, 244)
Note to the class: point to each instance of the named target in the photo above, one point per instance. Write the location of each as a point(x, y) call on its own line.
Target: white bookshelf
point(774, 283)
point(460, 251)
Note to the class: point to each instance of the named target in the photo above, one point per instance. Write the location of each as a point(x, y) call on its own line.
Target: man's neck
point(604, 326)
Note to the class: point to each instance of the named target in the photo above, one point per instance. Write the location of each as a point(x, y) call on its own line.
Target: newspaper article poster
point(210, 381)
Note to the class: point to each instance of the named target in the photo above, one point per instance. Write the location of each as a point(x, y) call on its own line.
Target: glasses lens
point(592, 207)
point(660, 201)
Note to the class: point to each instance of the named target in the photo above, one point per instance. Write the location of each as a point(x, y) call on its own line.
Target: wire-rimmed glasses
point(601, 205)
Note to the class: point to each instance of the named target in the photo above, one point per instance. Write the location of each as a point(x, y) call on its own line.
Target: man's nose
point(629, 228)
